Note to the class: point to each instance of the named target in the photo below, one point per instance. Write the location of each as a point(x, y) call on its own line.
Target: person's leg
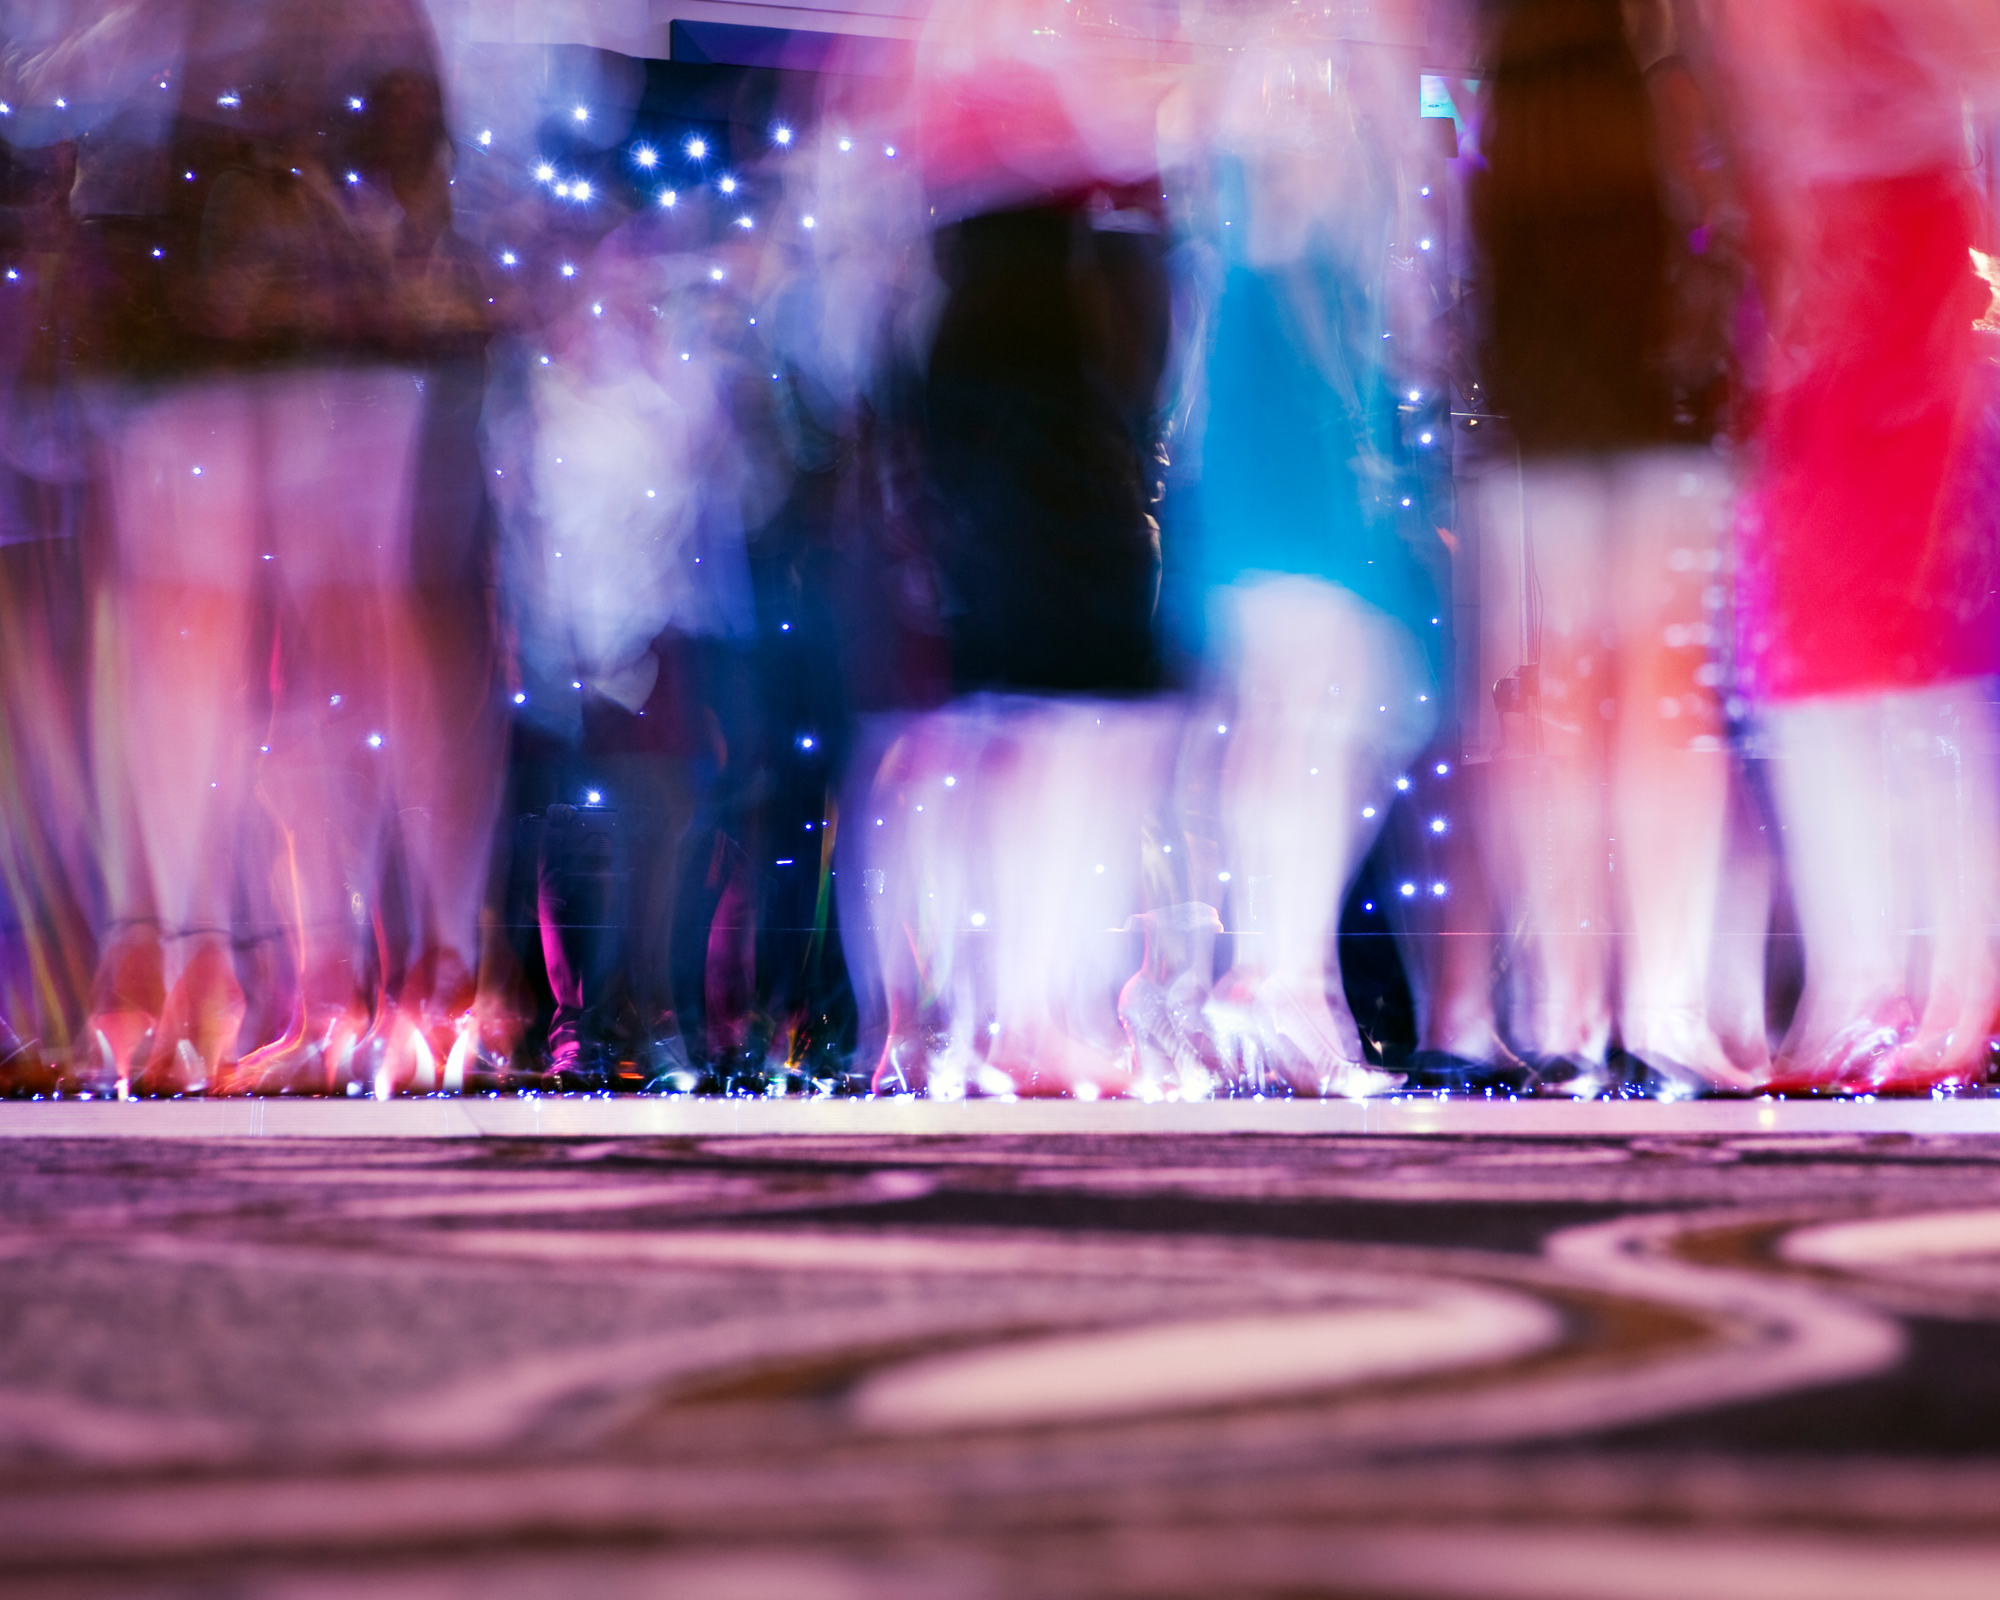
point(337, 456)
point(1737, 1001)
point(1325, 708)
point(1669, 770)
point(921, 830)
point(1546, 818)
point(1952, 835)
point(1062, 833)
point(186, 489)
point(1831, 784)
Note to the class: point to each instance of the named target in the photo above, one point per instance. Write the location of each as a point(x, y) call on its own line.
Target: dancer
point(1869, 631)
point(1037, 402)
point(1321, 694)
point(284, 642)
point(1599, 565)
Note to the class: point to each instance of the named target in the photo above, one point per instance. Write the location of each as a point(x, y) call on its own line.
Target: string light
point(781, 134)
point(544, 173)
point(669, 199)
point(807, 222)
point(486, 136)
point(727, 185)
point(697, 148)
point(581, 113)
point(646, 156)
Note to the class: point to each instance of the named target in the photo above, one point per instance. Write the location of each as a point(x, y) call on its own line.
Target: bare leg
point(1325, 708)
point(1669, 772)
point(1063, 836)
point(185, 489)
point(1832, 788)
point(1547, 816)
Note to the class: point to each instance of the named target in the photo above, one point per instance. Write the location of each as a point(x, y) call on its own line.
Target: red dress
point(1859, 570)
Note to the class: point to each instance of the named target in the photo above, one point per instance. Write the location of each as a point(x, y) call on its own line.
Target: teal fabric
point(1297, 466)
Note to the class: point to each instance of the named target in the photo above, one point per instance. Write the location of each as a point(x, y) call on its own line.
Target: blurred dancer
point(1320, 688)
point(1607, 808)
point(48, 889)
point(1869, 629)
point(292, 408)
point(1036, 406)
point(627, 484)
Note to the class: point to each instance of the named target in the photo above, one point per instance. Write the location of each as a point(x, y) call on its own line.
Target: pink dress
point(1860, 567)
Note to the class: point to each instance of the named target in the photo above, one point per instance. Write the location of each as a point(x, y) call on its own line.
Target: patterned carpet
point(1094, 1364)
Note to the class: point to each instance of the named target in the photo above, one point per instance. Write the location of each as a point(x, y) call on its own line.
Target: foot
point(1286, 1037)
point(194, 1045)
point(1851, 1059)
point(1675, 1055)
point(126, 1000)
point(317, 1056)
point(1040, 1060)
point(1160, 1007)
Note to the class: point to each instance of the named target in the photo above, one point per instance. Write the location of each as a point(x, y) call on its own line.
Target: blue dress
point(1297, 465)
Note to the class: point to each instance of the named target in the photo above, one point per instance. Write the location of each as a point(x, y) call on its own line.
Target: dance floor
point(727, 1351)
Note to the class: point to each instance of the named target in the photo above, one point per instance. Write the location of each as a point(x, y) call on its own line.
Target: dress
point(1037, 406)
point(1295, 472)
point(1858, 571)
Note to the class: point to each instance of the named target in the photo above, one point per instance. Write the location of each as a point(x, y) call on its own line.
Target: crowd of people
point(996, 570)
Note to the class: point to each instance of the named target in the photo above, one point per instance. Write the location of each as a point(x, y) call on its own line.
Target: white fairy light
point(581, 113)
point(1443, 770)
point(374, 741)
point(486, 136)
point(1367, 811)
point(507, 258)
point(889, 150)
point(544, 173)
point(568, 271)
point(354, 102)
point(1403, 783)
point(697, 148)
point(646, 156)
point(726, 185)
point(846, 144)
point(1437, 824)
point(781, 134)
point(745, 222)
point(579, 190)
point(1437, 888)
point(669, 199)
point(808, 222)
point(1408, 890)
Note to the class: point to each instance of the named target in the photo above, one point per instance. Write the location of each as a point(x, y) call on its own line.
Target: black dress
point(1037, 426)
